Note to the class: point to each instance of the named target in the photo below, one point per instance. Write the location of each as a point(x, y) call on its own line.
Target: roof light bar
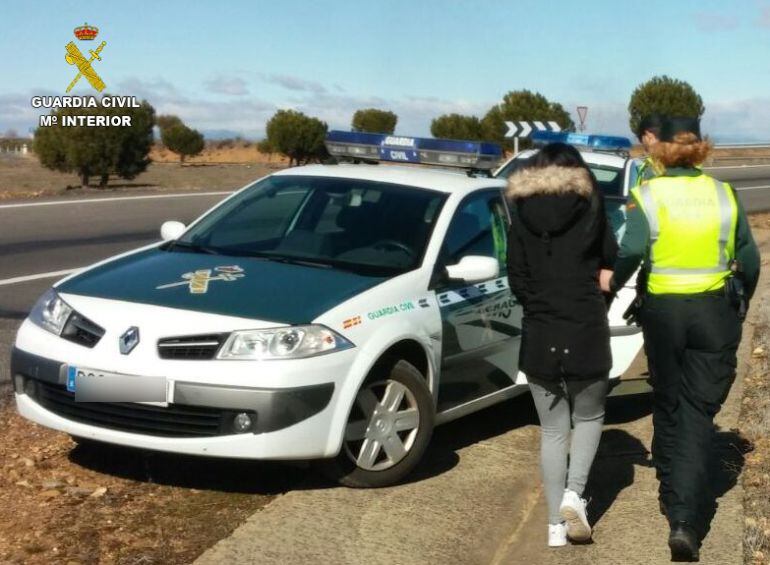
point(419, 150)
point(595, 142)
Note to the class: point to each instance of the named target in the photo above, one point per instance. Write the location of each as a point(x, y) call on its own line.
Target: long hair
point(686, 150)
point(557, 155)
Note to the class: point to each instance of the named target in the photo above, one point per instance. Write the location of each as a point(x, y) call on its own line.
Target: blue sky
point(227, 66)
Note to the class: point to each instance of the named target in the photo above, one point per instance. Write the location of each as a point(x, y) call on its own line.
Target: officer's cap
point(673, 126)
point(650, 122)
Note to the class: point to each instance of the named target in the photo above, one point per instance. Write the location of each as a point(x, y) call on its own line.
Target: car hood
point(232, 286)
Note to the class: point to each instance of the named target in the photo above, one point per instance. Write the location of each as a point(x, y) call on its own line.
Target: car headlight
point(293, 342)
point(50, 312)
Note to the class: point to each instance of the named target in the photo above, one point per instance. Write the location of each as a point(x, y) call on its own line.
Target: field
point(24, 177)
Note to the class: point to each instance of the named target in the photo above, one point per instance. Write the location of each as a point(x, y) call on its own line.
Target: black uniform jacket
point(558, 242)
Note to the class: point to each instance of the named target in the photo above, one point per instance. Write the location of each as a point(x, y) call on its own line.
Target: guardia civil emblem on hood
point(198, 281)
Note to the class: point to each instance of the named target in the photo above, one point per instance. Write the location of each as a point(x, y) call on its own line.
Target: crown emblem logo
point(86, 32)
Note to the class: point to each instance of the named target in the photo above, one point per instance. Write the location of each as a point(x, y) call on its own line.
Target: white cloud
point(222, 84)
point(297, 84)
point(245, 115)
point(738, 120)
point(17, 113)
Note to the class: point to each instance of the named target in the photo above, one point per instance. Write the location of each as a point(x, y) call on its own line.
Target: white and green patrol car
point(332, 312)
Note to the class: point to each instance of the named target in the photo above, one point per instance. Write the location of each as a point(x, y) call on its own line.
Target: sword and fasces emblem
point(198, 281)
point(75, 57)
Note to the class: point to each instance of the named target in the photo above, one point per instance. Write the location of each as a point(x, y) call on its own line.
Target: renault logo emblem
point(129, 340)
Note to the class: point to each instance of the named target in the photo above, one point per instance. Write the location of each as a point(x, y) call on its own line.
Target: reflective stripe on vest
point(711, 252)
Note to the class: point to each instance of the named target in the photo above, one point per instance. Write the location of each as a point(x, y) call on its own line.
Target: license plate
point(93, 385)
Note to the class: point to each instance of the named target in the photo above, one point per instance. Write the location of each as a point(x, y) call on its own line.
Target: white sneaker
point(557, 535)
point(573, 510)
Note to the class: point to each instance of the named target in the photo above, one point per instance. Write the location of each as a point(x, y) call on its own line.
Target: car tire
point(387, 427)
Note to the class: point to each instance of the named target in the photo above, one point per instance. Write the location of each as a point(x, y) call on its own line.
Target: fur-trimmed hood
point(550, 180)
point(550, 200)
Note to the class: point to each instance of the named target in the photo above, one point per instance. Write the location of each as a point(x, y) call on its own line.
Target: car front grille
point(191, 347)
point(172, 421)
point(82, 331)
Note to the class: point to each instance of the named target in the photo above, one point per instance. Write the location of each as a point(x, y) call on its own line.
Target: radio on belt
point(425, 151)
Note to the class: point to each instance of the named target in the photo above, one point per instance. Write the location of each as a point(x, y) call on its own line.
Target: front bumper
point(288, 423)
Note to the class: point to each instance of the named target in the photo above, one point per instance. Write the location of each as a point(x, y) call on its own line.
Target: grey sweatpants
point(560, 406)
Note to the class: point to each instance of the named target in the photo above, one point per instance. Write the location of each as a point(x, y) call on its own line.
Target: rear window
point(609, 179)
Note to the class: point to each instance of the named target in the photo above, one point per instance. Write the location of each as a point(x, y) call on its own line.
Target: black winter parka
point(558, 241)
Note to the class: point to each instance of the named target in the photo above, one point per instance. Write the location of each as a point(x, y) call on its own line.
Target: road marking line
point(114, 199)
point(27, 278)
point(739, 188)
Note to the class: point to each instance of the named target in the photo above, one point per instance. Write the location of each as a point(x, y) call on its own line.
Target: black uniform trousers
point(691, 343)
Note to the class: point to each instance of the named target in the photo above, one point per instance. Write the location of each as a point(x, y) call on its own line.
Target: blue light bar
point(420, 150)
point(595, 142)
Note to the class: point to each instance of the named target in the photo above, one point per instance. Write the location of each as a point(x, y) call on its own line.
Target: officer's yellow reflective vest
point(647, 169)
point(692, 232)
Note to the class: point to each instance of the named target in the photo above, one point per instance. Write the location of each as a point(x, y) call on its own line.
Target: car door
point(481, 322)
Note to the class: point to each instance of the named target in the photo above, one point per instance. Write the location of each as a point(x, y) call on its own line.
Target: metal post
point(516, 145)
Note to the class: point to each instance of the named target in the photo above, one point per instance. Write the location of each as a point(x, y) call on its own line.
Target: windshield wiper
point(192, 247)
point(308, 262)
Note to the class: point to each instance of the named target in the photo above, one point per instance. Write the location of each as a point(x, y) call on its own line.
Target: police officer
point(691, 233)
point(647, 168)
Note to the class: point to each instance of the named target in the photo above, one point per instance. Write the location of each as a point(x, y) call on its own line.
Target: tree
point(457, 126)
point(663, 95)
point(374, 121)
point(299, 137)
point(98, 151)
point(168, 120)
point(265, 147)
point(522, 105)
point(182, 140)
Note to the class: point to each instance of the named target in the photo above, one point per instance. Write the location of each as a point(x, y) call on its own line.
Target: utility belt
point(734, 290)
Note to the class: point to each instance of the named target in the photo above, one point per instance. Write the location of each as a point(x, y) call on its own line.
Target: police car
point(333, 312)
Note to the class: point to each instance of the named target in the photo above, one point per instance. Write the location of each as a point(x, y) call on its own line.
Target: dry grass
point(755, 424)
point(24, 177)
point(756, 477)
point(98, 504)
point(225, 151)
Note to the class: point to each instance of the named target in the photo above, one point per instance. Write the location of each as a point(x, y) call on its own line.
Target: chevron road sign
point(523, 129)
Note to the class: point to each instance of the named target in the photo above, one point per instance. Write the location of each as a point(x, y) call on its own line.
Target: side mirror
point(474, 268)
point(171, 230)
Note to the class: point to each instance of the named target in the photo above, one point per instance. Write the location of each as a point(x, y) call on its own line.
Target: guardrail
point(742, 145)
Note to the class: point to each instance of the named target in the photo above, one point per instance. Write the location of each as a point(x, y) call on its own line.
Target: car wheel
point(388, 430)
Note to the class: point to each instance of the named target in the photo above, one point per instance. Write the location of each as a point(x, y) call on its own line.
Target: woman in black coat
point(559, 245)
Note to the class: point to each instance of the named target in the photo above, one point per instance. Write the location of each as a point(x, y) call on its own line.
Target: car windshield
point(369, 227)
